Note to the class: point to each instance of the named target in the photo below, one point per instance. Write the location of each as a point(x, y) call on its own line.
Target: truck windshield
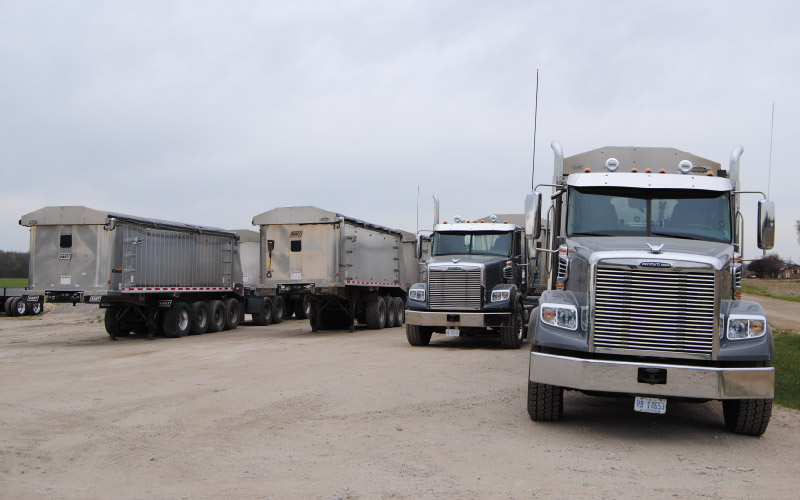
point(462, 242)
point(699, 215)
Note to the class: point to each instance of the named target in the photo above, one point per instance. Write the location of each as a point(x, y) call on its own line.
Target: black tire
point(545, 402)
point(278, 309)
point(35, 308)
point(216, 316)
point(391, 312)
point(302, 308)
point(376, 314)
point(264, 316)
point(110, 322)
point(18, 307)
point(232, 311)
point(418, 335)
point(200, 318)
point(177, 320)
point(317, 318)
point(747, 416)
point(7, 306)
point(400, 311)
point(511, 336)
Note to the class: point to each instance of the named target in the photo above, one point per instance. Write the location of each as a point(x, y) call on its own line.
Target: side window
point(295, 245)
point(65, 241)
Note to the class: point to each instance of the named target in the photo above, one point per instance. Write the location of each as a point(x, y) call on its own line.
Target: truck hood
point(467, 260)
point(595, 248)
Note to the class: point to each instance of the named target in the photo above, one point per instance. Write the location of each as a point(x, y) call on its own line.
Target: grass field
point(785, 289)
point(787, 370)
point(13, 282)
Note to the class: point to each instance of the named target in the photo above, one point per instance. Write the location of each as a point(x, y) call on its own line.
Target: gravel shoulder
point(282, 412)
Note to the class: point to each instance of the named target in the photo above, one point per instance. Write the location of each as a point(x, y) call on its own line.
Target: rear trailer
point(335, 270)
point(149, 275)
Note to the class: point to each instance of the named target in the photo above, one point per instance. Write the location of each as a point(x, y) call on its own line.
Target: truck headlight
point(560, 315)
point(500, 295)
point(417, 294)
point(742, 326)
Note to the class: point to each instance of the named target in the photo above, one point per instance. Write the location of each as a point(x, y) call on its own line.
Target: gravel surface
point(281, 412)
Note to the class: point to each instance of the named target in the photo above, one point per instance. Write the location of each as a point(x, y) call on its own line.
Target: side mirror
point(533, 210)
point(766, 224)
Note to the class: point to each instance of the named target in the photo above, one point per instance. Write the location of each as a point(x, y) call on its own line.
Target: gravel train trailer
point(149, 275)
point(334, 269)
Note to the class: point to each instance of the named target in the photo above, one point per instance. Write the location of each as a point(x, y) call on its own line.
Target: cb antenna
point(771, 130)
point(535, 115)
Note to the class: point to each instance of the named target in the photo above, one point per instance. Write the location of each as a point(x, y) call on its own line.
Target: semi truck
point(645, 300)
point(149, 275)
point(334, 269)
point(480, 279)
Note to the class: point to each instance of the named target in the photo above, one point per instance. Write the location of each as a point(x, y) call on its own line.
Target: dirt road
point(281, 412)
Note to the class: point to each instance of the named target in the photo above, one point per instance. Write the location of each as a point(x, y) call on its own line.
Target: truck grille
point(455, 289)
point(646, 310)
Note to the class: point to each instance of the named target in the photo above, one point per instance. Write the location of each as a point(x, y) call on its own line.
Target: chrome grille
point(455, 289)
point(667, 311)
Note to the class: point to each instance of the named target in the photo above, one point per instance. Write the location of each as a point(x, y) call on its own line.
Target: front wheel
point(418, 335)
point(511, 335)
point(747, 416)
point(545, 402)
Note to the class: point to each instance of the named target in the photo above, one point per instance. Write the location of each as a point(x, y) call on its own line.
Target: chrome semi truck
point(149, 275)
point(645, 296)
point(334, 269)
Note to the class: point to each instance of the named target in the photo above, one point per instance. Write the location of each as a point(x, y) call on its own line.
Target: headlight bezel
point(558, 315)
point(417, 293)
point(751, 326)
point(501, 295)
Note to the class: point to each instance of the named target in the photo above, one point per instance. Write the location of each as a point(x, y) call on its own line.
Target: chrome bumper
point(427, 318)
point(681, 380)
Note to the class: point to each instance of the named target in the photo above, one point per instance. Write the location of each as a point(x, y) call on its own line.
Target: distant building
point(792, 271)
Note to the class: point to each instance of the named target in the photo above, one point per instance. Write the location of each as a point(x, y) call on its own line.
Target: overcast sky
point(212, 112)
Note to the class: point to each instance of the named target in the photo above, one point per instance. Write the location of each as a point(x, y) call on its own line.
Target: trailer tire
point(200, 318)
point(232, 310)
point(15, 308)
point(36, 308)
point(110, 322)
point(216, 316)
point(391, 312)
point(302, 308)
point(7, 306)
point(400, 311)
point(317, 318)
point(747, 416)
point(278, 309)
point(376, 314)
point(418, 335)
point(177, 320)
point(545, 402)
point(511, 336)
point(264, 316)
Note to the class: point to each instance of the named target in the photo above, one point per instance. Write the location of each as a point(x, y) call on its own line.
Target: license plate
point(650, 405)
point(452, 332)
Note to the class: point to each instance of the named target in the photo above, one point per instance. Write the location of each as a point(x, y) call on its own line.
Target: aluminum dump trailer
point(149, 275)
point(334, 269)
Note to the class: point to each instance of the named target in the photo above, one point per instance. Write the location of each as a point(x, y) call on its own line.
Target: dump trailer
point(334, 269)
point(11, 302)
point(645, 296)
point(149, 275)
point(478, 279)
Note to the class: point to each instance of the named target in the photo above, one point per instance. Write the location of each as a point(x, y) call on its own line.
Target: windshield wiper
point(680, 236)
point(590, 234)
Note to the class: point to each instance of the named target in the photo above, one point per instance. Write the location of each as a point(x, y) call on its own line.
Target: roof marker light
point(634, 170)
point(648, 171)
point(662, 171)
point(612, 164)
point(685, 166)
point(587, 170)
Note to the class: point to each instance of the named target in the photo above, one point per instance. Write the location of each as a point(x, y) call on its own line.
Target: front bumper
point(455, 319)
point(681, 380)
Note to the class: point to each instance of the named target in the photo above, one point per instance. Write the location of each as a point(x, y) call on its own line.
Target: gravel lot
point(281, 412)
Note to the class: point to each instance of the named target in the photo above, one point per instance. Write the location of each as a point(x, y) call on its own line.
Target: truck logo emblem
point(656, 249)
point(655, 264)
point(455, 260)
point(454, 268)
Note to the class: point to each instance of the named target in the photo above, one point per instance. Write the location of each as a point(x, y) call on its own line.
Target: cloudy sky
point(211, 112)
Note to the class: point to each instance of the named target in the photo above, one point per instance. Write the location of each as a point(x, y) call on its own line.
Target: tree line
point(14, 264)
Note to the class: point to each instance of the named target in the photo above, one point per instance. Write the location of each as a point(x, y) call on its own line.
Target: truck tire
point(302, 308)
point(376, 314)
point(216, 316)
point(278, 309)
point(264, 316)
point(391, 312)
point(232, 310)
point(36, 308)
point(511, 336)
point(400, 311)
point(747, 416)
point(545, 402)
point(7, 306)
point(200, 318)
point(316, 318)
point(177, 320)
point(418, 335)
point(110, 322)
point(18, 307)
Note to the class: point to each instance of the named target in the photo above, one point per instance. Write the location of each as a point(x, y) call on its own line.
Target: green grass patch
point(775, 289)
point(787, 370)
point(13, 282)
